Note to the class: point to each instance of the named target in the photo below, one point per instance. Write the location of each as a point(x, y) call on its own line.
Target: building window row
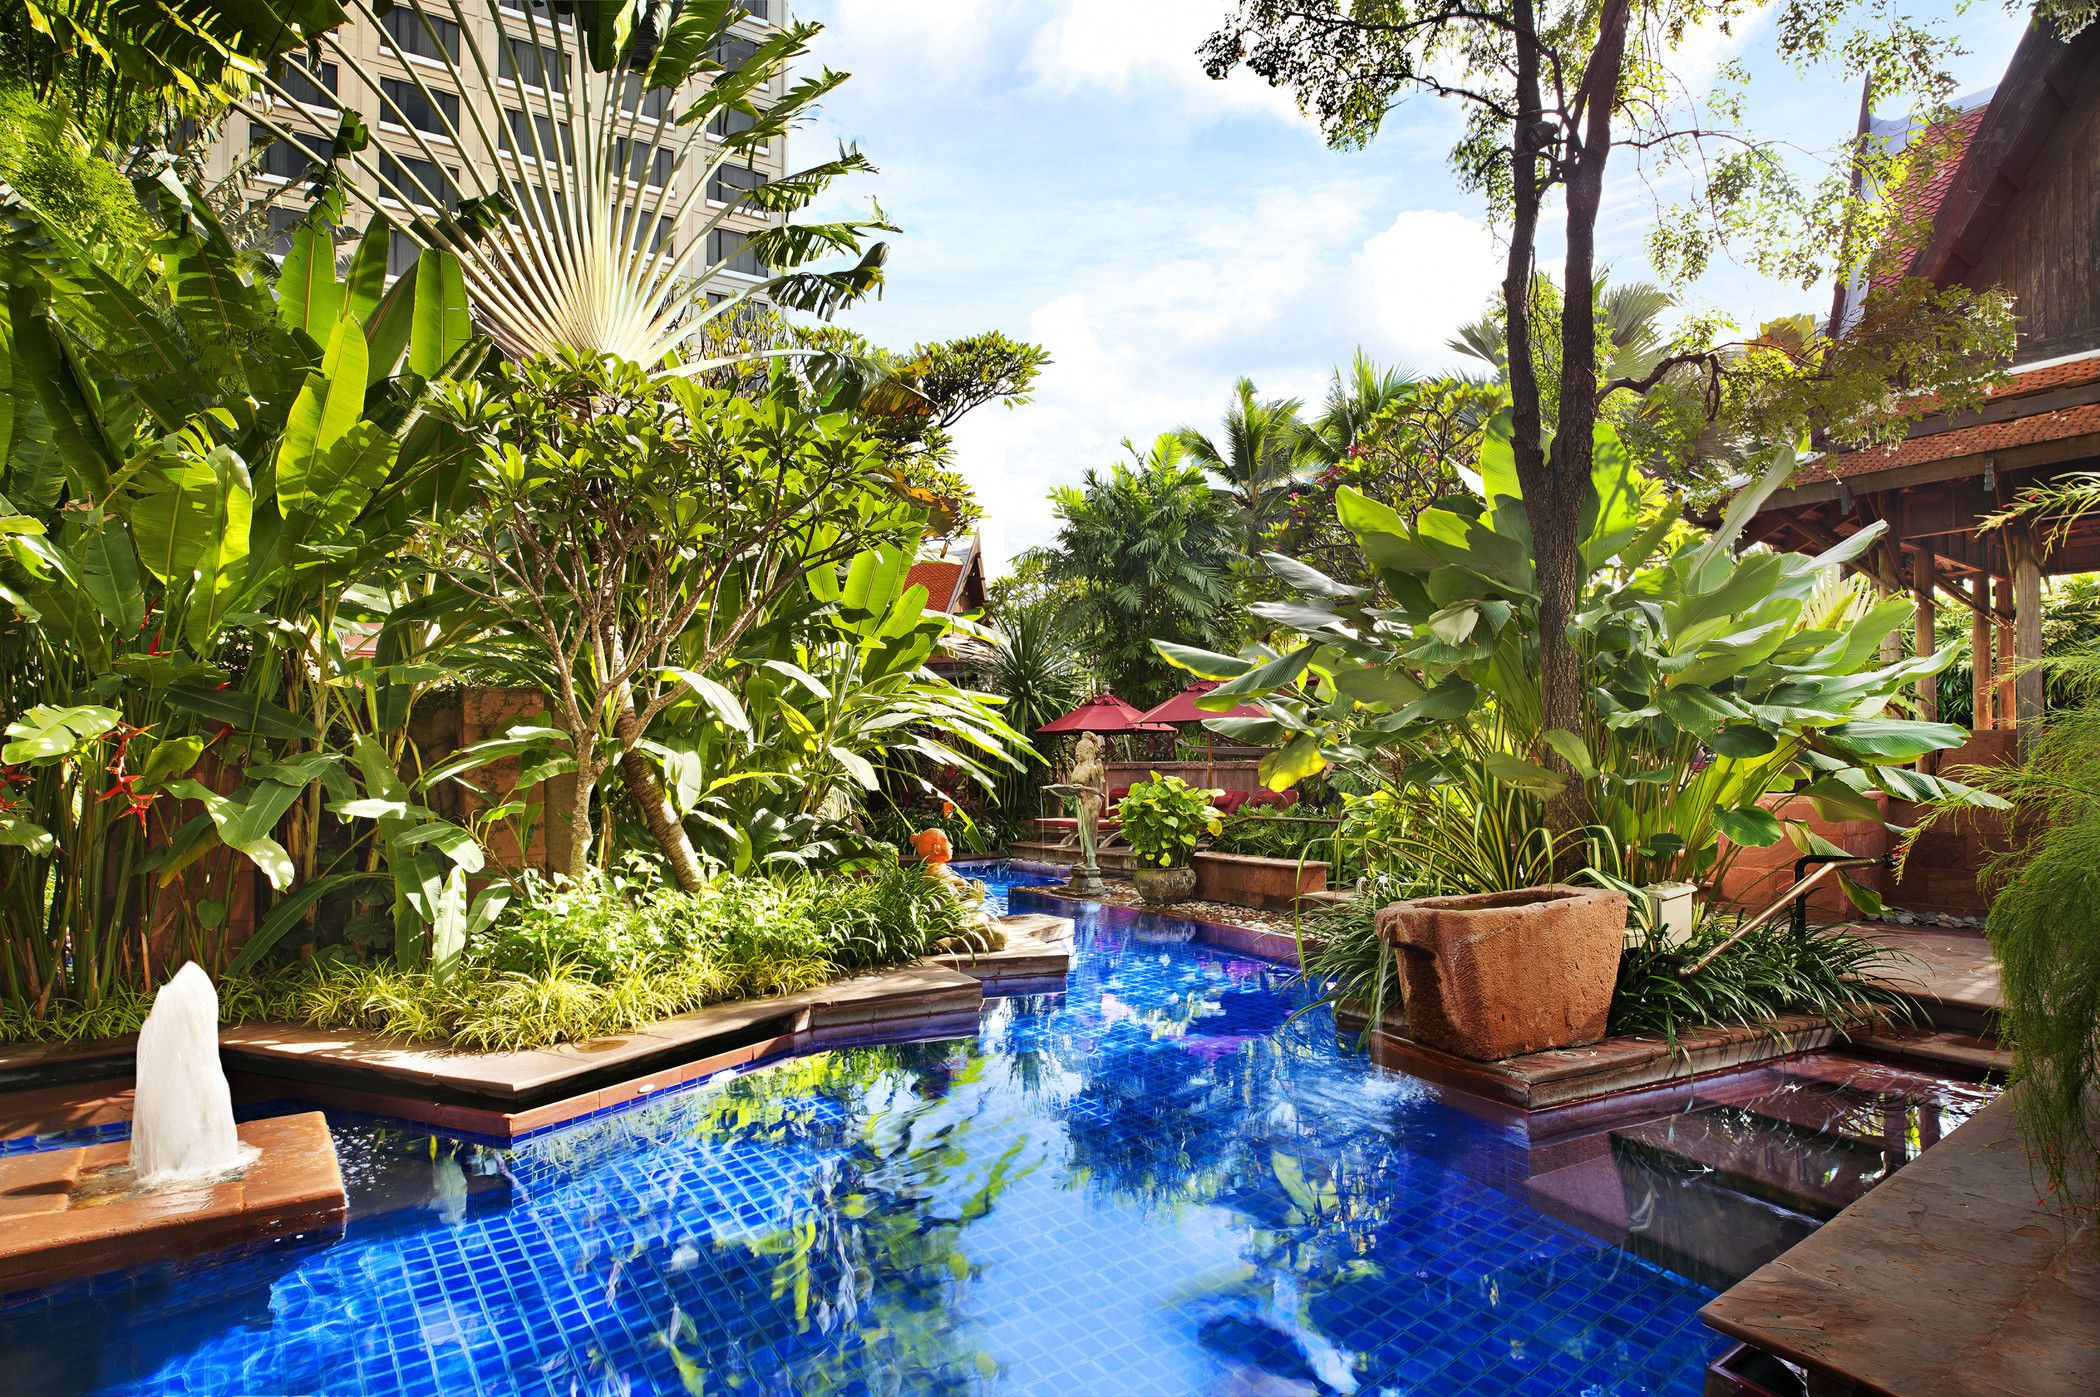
point(732, 181)
point(535, 136)
point(643, 163)
point(310, 84)
point(421, 35)
point(533, 65)
point(410, 178)
point(431, 111)
point(732, 247)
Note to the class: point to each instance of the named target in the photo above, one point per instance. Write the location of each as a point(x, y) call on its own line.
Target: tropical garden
point(268, 511)
point(1501, 623)
point(266, 515)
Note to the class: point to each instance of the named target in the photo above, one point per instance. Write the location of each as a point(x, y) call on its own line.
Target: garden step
point(1941, 1050)
point(1797, 1168)
point(1873, 1120)
point(1693, 1223)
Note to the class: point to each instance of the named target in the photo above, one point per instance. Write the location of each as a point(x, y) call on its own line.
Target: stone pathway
point(1951, 973)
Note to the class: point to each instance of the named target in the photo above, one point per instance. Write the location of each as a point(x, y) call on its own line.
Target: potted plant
point(1492, 975)
point(1162, 821)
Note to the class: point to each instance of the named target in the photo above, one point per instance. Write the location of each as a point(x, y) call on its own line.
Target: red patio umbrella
point(1182, 707)
point(1103, 713)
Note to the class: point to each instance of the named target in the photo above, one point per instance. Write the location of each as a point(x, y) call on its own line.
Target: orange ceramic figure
point(933, 848)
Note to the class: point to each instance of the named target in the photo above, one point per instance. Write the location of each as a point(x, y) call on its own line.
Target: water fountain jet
point(182, 1113)
point(190, 1180)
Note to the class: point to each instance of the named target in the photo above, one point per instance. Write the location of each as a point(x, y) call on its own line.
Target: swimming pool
point(1157, 1182)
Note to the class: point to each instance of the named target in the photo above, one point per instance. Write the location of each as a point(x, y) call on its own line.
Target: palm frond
point(594, 218)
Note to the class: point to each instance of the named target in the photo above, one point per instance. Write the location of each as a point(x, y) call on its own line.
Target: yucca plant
point(561, 243)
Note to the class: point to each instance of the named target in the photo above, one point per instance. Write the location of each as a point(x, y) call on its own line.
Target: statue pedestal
point(1086, 881)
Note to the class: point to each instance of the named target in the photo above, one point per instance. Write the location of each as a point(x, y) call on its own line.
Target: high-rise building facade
point(415, 79)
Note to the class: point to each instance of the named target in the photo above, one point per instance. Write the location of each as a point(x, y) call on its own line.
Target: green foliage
point(50, 165)
point(120, 68)
point(1036, 668)
point(1832, 974)
point(1256, 459)
point(206, 503)
point(1714, 680)
point(572, 961)
point(2044, 929)
point(1164, 818)
point(1149, 549)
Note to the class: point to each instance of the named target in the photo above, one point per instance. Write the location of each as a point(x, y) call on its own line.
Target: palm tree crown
point(1256, 459)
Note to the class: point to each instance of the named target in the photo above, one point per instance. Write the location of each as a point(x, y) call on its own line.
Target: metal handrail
point(1797, 895)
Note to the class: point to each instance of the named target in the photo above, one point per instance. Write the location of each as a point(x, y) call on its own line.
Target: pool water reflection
point(1158, 1182)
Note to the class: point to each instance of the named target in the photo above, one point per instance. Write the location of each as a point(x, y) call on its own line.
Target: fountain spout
point(182, 1114)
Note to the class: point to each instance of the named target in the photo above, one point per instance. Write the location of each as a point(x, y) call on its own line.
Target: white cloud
point(1119, 46)
point(1427, 273)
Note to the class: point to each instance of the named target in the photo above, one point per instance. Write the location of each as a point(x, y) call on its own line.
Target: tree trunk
point(1557, 536)
point(649, 799)
point(586, 748)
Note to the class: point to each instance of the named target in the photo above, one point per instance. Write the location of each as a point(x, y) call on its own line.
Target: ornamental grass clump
point(1163, 820)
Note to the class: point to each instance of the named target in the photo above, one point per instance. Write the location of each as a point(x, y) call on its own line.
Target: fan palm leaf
point(560, 245)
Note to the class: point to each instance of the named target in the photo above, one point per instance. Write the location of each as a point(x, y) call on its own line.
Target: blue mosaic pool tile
point(1156, 1182)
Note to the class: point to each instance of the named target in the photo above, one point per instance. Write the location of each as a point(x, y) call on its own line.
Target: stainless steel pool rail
point(1795, 897)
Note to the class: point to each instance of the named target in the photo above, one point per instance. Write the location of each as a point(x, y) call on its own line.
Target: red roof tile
point(2059, 425)
point(1922, 201)
point(939, 579)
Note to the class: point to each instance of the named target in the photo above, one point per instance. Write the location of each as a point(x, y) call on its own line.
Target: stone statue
point(1086, 787)
point(1091, 779)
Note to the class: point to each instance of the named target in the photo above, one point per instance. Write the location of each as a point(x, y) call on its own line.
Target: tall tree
point(1150, 546)
point(1256, 459)
point(1550, 89)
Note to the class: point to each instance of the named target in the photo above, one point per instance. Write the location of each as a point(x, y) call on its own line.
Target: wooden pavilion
point(2016, 207)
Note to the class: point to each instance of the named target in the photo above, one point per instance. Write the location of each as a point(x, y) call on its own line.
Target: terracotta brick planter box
point(1248, 881)
point(1492, 975)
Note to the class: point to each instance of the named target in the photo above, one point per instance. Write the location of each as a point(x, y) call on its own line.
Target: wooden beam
point(2027, 628)
point(1981, 655)
point(1925, 639)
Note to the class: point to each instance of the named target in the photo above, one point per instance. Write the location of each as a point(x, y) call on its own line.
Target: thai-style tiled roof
point(1958, 440)
point(941, 579)
point(1917, 204)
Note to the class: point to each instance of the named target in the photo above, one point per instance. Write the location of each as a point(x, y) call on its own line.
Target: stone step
point(1692, 1223)
point(1964, 1055)
point(1795, 1167)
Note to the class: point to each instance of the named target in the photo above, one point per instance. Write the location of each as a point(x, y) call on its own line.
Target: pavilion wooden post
point(1981, 650)
point(1926, 639)
point(2027, 628)
point(2002, 619)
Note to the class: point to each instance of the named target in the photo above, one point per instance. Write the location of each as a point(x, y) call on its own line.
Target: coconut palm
point(1256, 460)
point(1353, 402)
point(562, 248)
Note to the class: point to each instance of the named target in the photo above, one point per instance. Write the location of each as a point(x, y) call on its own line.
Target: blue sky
point(1063, 171)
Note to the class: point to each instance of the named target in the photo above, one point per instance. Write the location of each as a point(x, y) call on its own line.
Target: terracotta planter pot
point(1160, 886)
point(1497, 974)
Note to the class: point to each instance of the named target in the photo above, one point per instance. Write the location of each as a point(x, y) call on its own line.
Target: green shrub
point(1164, 818)
point(1830, 973)
point(572, 960)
